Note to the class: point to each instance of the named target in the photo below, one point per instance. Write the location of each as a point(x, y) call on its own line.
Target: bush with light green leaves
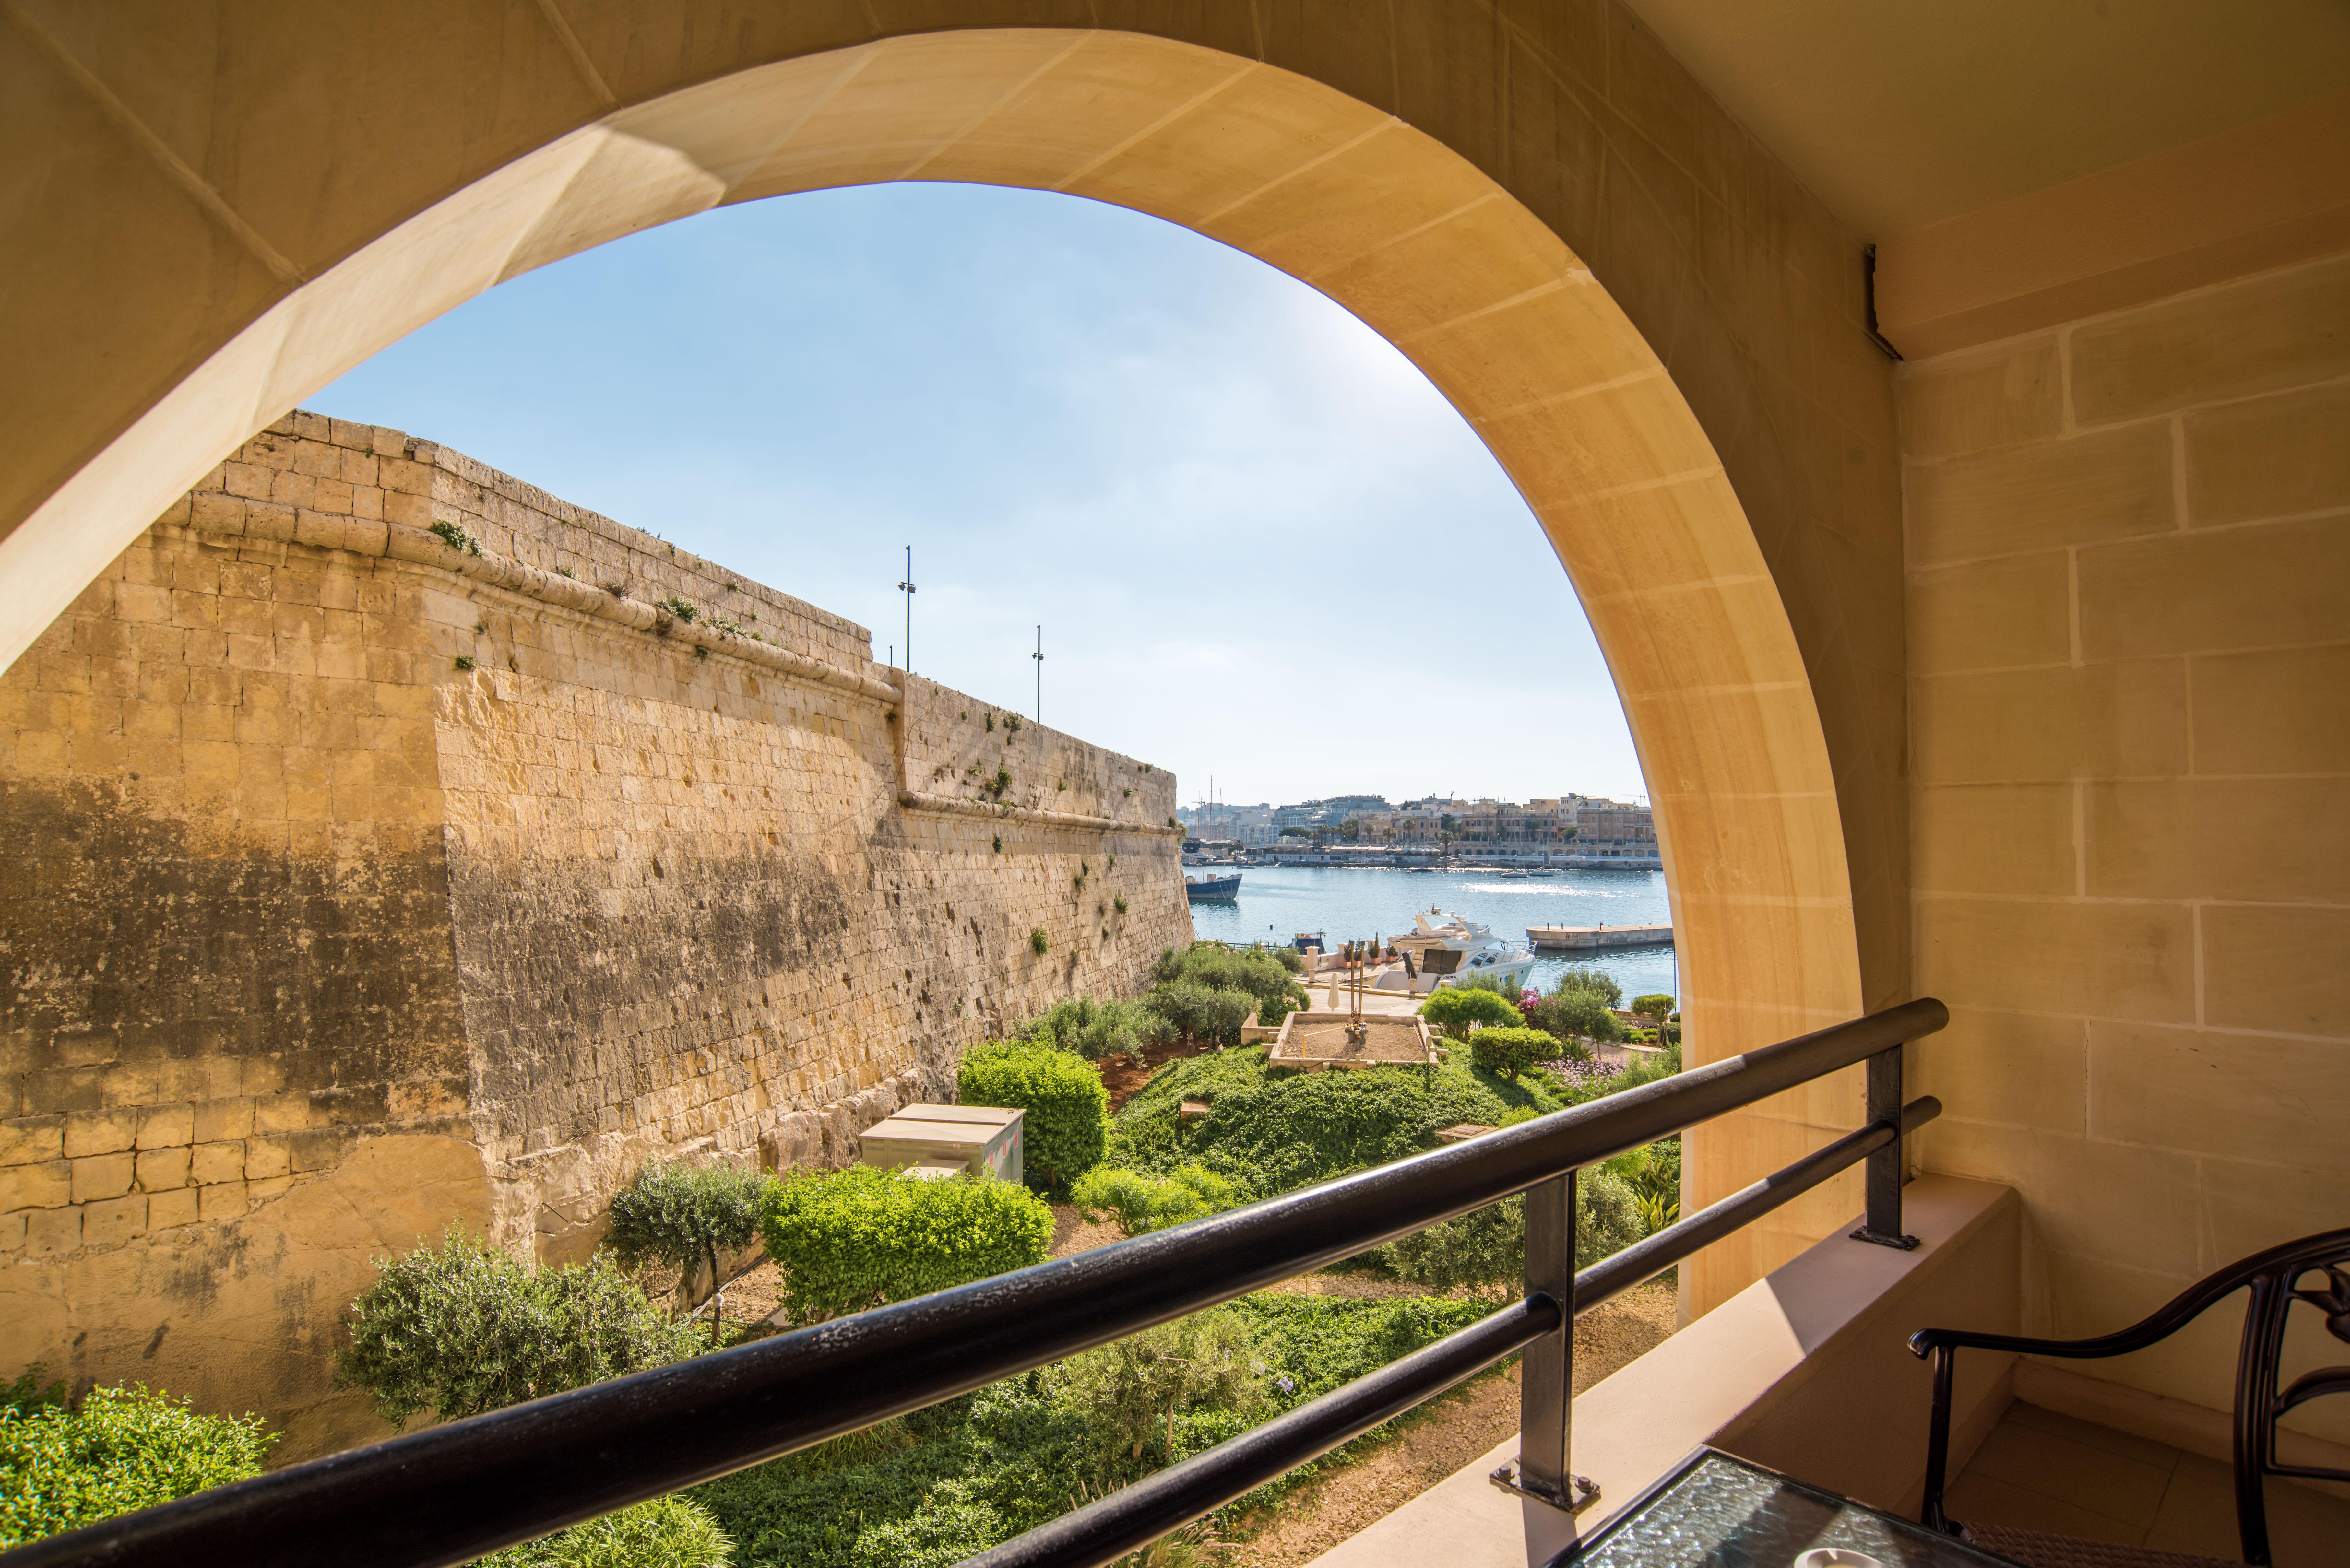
point(1140, 1202)
point(64, 1466)
point(1068, 1122)
point(666, 1532)
point(1455, 1010)
point(1511, 1051)
point(848, 1240)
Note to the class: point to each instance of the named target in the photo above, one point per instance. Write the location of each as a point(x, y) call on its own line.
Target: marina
point(1355, 903)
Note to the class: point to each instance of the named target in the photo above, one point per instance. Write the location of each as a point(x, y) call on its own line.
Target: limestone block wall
point(956, 749)
point(357, 884)
point(2130, 643)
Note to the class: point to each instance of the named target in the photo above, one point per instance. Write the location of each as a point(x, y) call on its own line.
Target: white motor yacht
point(1448, 948)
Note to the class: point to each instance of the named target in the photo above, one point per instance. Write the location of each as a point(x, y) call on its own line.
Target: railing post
point(1882, 1224)
point(1546, 1392)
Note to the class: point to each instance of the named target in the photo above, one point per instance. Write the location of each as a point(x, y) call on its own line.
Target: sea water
point(1350, 904)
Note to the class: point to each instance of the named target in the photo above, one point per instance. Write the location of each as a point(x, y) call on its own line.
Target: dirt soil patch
point(1439, 1438)
point(1124, 1080)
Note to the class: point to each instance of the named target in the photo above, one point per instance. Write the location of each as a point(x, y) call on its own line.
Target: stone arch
point(1388, 220)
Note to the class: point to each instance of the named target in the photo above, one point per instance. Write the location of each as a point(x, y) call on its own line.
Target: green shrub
point(1511, 1052)
point(1455, 1010)
point(849, 1240)
point(1272, 1131)
point(1598, 982)
point(121, 1450)
point(1504, 986)
point(1654, 1174)
point(1264, 974)
point(464, 1327)
point(684, 1216)
point(1095, 1030)
point(1196, 1012)
point(1130, 1392)
point(1486, 1250)
point(1140, 1203)
point(948, 1526)
point(1654, 1006)
point(953, 1480)
point(666, 1532)
point(1575, 1015)
point(1068, 1110)
point(1038, 942)
point(1606, 1216)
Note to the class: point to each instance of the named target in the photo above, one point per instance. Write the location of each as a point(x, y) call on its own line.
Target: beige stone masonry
point(355, 872)
point(2129, 685)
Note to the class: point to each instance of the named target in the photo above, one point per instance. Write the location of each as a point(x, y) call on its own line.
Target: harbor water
point(1348, 903)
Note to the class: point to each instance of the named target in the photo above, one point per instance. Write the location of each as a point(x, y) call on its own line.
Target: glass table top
point(1717, 1511)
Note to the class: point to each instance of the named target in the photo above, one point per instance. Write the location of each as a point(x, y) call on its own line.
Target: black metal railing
point(455, 1493)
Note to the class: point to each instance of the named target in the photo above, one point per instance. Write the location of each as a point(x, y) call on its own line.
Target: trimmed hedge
point(121, 1450)
point(1511, 1052)
point(1455, 1010)
point(1068, 1110)
point(849, 1240)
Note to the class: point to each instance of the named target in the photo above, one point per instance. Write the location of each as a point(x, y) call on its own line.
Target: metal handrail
point(456, 1493)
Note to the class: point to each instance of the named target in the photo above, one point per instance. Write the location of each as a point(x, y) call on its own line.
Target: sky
point(1262, 547)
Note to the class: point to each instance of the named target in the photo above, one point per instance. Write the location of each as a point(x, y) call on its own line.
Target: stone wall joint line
point(917, 800)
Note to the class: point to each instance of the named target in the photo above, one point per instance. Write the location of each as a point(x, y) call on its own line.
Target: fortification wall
point(361, 880)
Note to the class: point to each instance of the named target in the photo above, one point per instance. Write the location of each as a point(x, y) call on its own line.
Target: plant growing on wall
point(848, 1240)
point(118, 1450)
point(1068, 1122)
point(682, 608)
point(684, 1217)
point(465, 1328)
point(454, 536)
point(1000, 782)
point(1118, 903)
point(1038, 942)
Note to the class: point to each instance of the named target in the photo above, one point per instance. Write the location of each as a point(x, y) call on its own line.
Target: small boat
point(1200, 889)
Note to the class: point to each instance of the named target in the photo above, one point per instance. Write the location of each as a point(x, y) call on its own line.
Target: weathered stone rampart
point(363, 879)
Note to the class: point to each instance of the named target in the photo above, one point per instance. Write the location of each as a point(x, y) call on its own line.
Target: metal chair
point(2273, 1276)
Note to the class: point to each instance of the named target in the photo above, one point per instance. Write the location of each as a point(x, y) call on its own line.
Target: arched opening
point(1400, 229)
